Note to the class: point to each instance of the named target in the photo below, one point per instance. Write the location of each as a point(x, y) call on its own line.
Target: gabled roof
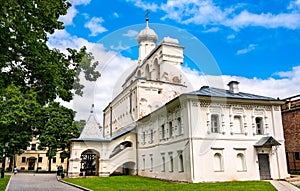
point(216, 92)
point(91, 129)
point(267, 142)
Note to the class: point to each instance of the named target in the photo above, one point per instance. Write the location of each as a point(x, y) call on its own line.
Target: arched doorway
point(89, 163)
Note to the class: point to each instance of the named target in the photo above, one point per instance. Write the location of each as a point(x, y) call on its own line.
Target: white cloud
point(72, 11)
point(139, 3)
point(250, 48)
point(211, 30)
point(271, 87)
point(95, 26)
point(131, 33)
point(116, 15)
point(119, 47)
point(206, 12)
point(229, 37)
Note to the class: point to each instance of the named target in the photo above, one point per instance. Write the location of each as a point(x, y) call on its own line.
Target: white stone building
point(155, 128)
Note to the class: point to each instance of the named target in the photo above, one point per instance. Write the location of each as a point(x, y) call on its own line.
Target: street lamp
point(3, 160)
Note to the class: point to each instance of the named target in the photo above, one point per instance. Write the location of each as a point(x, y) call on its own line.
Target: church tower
point(147, 41)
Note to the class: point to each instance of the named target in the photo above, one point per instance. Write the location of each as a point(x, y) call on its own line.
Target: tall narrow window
point(162, 131)
point(151, 164)
point(144, 163)
point(143, 137)
point(163, 167)
point(23, 159)
point(171, 164)
point(170, 129)
point(180, 165)
point(218, 166)
point(259, 126)
point(40, 159)
point(54, 159)
point(151, 136)
point(241, 163)
point(215, 123)
point(179, 126)
point(237, 124)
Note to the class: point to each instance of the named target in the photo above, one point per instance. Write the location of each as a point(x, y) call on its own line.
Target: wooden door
point(264, 166)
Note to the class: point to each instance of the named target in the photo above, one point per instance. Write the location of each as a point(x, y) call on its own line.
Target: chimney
point(233, 87)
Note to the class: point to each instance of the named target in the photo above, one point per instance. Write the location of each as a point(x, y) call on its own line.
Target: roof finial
point(146, 17)
point(92, 109)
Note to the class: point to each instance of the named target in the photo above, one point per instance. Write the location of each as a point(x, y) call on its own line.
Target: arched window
point(139, 74)
point(147, 72)
point(151, 164)
point(157, 70)
point(241, 163)
point(180, 165)
point(218, 165)
point(163, 168)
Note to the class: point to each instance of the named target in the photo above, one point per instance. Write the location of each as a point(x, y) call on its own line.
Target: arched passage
point(89, 163)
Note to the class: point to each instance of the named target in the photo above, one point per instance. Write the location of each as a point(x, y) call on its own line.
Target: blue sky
point(255, 42)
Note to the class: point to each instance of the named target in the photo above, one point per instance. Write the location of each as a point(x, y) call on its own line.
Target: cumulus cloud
point(250, 48)
point(211, 30)
point(95, 26)
point(131, 33)
point(206, 12)
point(283, 87)
point(72, 11)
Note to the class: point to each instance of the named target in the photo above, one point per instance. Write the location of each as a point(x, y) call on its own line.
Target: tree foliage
point(34, 75)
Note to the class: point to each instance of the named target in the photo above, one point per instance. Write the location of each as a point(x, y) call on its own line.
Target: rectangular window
point(23, 160)
point(151, 163)
point(259, 126)
point(162, 131)
point(171, 163)
point(151, 136)
point(170, 129)
point(163, 167)
point(40, 159)
point(215, 123)
point(33, 147)
point(237, 124)
point(54, 160)
point(179, 126)
point(144, 163)
point(143, 137)
point(180, 164)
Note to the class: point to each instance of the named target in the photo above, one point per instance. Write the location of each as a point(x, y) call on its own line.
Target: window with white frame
point(237, 124)
point(163, 160)
point(215, 123)
point(151, 163)
point(170, 129)
point(163, 131)
point(241, 162)
point(180, 162)
point(151, 136)
point(143, 137)
point(171, 168)
point(144, 163)
point(179, 126)
point(259, 125)
point(218, 162)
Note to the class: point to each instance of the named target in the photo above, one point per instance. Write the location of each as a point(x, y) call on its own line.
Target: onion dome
point(147, 34)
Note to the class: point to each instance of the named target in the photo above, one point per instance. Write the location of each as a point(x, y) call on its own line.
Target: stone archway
point(89, 164)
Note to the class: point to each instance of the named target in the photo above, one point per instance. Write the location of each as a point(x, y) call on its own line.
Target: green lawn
point(138, 183)
point(3, 182)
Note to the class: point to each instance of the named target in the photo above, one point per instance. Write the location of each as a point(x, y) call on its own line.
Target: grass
point(4, 182)
point(133, 183)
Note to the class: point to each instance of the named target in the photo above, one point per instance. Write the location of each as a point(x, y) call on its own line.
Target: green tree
point(36, 73)
point(58, 129)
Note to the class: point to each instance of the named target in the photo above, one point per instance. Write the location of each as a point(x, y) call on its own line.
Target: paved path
point(37, 182)
point(284, 186)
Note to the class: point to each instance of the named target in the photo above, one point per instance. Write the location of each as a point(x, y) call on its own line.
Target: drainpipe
point(136, 149)
point(103, 127)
